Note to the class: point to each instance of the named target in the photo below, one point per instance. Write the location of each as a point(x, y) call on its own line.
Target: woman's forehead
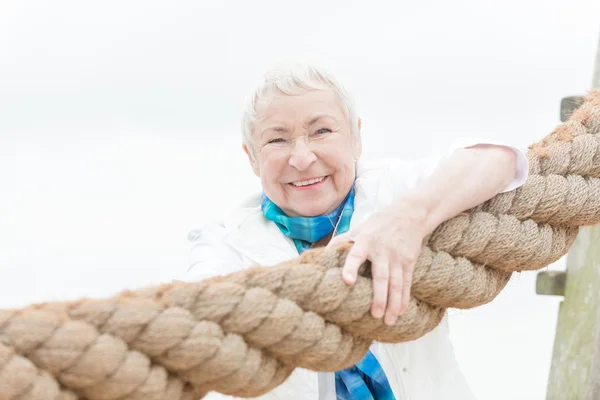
point(307, 104)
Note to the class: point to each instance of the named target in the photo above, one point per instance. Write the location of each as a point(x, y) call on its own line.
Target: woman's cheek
point(273, 164)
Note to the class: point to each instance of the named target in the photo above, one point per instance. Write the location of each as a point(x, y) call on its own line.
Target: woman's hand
point(392, 240)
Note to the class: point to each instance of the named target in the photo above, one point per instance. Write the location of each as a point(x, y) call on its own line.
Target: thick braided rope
point(20, 378)
point(243, 334)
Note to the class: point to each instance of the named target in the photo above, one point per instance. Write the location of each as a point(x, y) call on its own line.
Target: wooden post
point(594, 377)
point(575, 369)
point(596, 78)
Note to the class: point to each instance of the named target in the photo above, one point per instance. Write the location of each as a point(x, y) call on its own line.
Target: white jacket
point(423, 369)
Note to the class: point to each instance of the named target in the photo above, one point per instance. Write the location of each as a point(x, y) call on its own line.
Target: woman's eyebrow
point(318, 117)
point(276, 128)
point(313, 120)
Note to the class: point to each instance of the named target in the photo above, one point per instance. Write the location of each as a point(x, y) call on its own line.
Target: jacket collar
point(257, 238)
point(261, 241)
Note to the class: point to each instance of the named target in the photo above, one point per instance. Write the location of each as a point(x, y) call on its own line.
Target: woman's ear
point(253, 163)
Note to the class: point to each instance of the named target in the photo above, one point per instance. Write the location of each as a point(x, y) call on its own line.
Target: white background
point(119, 130)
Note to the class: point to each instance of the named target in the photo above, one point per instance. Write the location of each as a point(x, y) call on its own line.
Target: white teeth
point(308, 182)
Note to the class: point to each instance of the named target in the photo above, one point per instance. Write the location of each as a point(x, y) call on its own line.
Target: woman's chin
point(311, 210)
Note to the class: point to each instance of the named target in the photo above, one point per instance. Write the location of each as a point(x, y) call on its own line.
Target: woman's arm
point(466, 179)
point(392, 238)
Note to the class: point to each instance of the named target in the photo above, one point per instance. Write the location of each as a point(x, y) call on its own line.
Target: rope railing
point(243, 334)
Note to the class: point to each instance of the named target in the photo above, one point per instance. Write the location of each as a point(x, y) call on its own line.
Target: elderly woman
point(302, 136)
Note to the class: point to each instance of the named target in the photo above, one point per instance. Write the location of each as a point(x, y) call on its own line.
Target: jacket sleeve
point(210, 255)
point(423, 168)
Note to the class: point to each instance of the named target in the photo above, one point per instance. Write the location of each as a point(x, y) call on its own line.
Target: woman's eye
point(277, 140)
point(323, 131)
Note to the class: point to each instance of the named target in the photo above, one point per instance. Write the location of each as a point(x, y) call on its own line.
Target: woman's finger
point(406, 284)
point(394, 294)
point(356, 257)
point(337, 240)
point(380, 271)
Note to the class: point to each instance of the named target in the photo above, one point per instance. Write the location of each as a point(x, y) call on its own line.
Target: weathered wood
point(571, 103)
point(568, 105)
point(551, 283)
point(575, 369)
point(593, 389)
point(574, 343)
point(596, 78)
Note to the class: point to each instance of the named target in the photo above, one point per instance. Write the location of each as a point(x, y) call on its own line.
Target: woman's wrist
point(418, 208)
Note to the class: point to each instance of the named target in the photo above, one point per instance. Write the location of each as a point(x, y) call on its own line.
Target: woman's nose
point(301, 156)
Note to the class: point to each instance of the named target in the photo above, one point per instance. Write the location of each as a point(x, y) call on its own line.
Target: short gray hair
point(292, 78)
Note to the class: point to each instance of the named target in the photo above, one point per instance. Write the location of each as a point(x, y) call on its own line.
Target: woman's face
point(304, 152)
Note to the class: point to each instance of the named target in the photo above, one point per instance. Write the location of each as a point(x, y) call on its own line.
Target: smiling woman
point(301, 133)
point(304, 149)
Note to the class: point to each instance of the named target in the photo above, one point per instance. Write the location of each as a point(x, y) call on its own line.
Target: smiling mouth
point(308, 182)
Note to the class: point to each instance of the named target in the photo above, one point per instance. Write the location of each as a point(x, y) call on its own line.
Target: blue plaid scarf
point(365, 380)
point(307, 230)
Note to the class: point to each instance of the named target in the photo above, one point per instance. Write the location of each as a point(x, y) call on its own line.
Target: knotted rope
point(243, 334)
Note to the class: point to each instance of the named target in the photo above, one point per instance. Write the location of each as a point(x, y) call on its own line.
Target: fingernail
point(389, 321)
point(349, 277)
point(378, 312)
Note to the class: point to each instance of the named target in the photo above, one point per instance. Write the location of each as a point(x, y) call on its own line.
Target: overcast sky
point(119, 130)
